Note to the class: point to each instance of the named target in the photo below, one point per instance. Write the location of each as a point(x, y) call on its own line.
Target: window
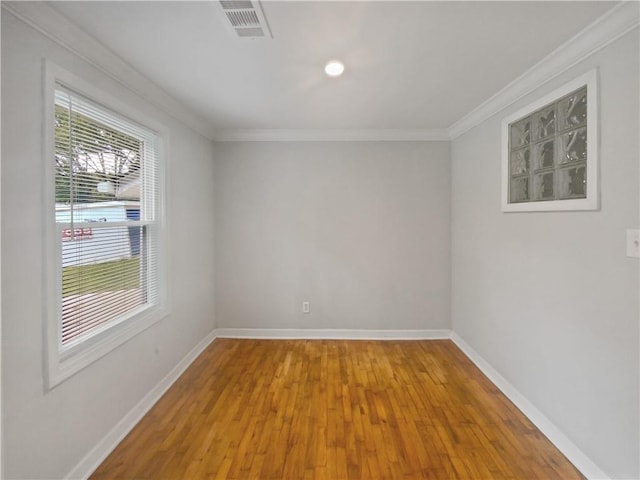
point(550, 155)
point(107, 273)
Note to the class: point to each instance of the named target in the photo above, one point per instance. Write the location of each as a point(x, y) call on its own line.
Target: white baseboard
point(332, 334)
point(546, 426)
point(97, 455)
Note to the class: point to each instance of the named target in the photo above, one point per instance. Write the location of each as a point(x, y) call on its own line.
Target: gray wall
point(359, 229)
point(369, 233)
point(47, 434)
point(550, 299)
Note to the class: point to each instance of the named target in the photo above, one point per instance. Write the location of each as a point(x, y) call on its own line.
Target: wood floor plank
point(330, 409)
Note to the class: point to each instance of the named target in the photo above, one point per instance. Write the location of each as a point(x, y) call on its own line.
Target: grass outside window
point(112, 276)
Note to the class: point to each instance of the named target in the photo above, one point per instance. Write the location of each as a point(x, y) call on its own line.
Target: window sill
point(62, 364)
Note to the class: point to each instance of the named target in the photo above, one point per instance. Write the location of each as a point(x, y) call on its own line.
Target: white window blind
point(106, 211)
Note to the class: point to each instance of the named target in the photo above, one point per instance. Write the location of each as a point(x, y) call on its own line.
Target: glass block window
point(550, 151)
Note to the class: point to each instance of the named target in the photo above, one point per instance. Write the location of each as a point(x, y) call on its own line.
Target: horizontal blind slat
point(84, 314)
point(108, 271)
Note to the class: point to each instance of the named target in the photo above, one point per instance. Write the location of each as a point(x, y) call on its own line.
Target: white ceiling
point(409, 65)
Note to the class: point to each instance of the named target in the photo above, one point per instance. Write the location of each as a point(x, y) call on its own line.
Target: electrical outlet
point(306, 308)
point(633, 243)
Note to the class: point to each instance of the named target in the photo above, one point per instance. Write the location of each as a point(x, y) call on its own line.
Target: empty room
point(320, 240)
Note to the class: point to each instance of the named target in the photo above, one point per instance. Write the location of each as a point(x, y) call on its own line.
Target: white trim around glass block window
point(592, 199)
point(63, 361)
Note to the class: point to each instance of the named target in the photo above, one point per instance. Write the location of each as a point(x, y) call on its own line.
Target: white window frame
point(62, 363)
point(592, 200)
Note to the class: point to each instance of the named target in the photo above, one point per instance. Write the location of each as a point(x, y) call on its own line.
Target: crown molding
point(48, 21)
point(68, 35)
point(605, 30)
point(320, 135)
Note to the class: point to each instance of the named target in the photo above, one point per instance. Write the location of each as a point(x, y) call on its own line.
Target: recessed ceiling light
point(334, 68)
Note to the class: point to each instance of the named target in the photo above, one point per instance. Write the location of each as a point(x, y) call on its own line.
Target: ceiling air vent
point(246, 18)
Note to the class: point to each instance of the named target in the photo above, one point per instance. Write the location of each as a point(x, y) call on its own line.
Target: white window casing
point(104, 243)
point(543, 163)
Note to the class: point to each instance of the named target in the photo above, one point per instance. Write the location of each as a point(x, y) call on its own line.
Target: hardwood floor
point(307, 409)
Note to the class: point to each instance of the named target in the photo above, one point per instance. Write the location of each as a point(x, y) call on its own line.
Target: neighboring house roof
point(129, 187)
